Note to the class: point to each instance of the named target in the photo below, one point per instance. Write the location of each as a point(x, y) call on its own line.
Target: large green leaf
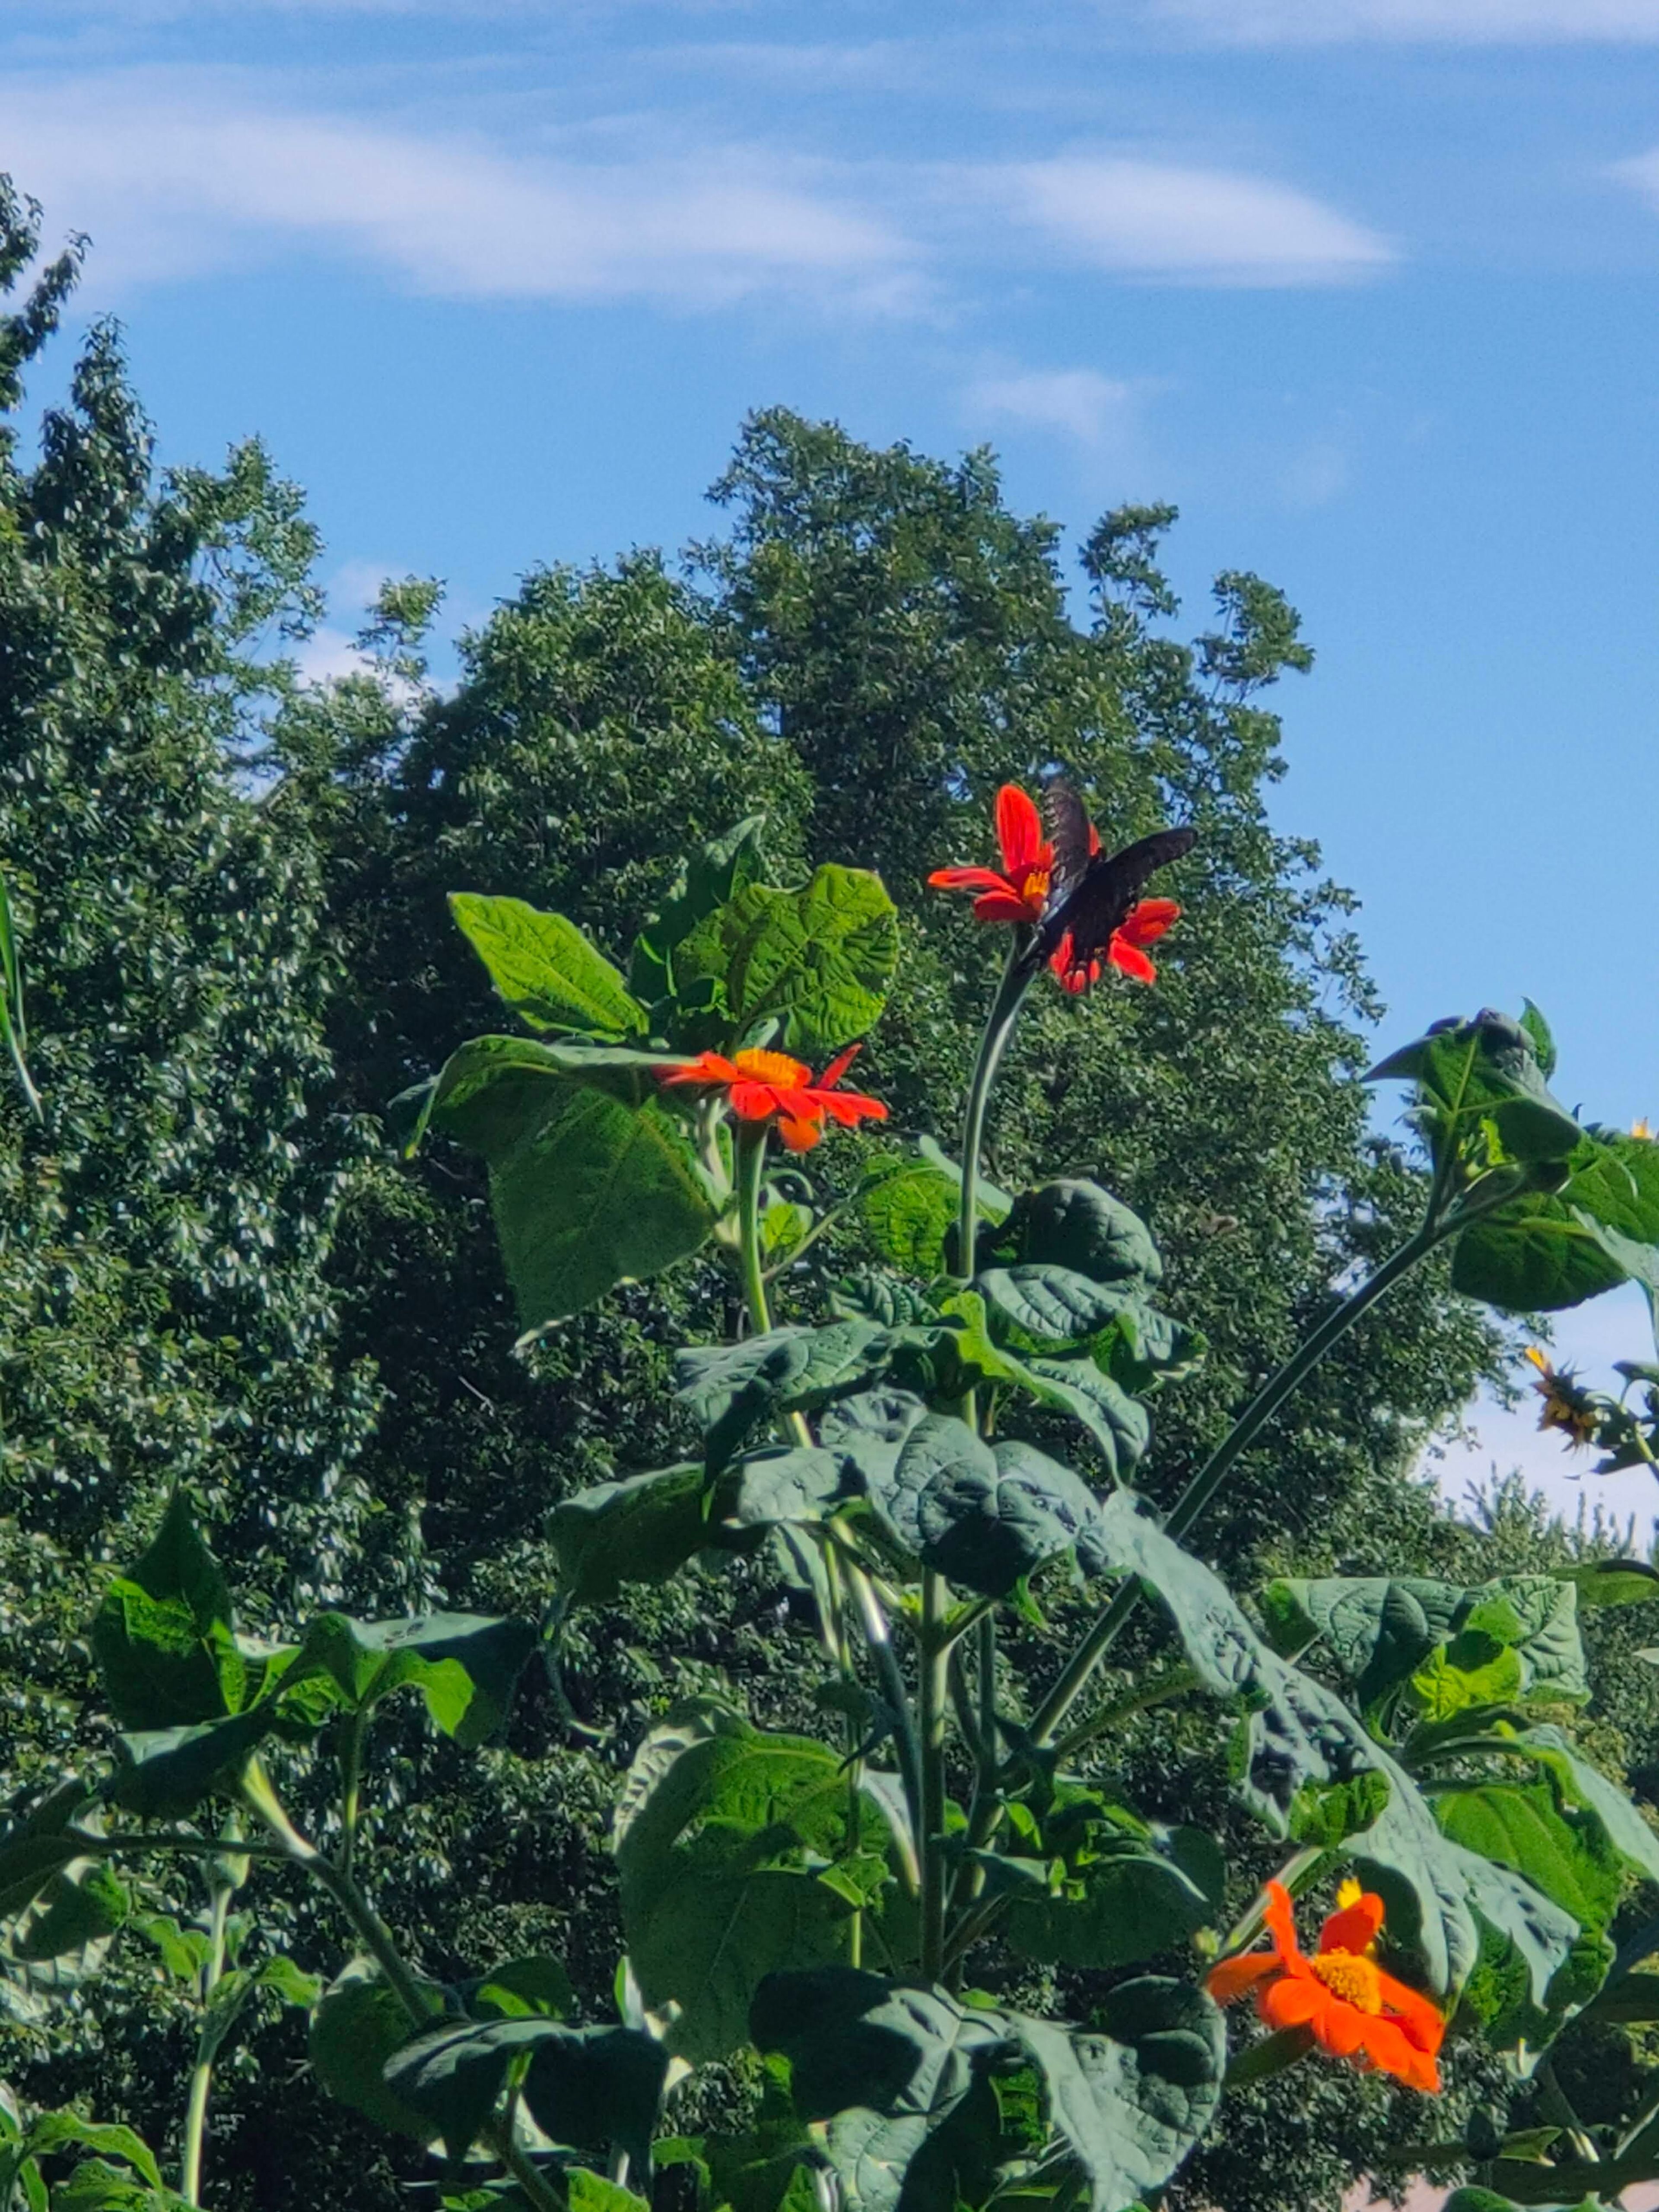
point(1586, 1785)
point(1298, 1733)
point(359, 2025)
point(1052, 1307)
point(1381, 1631)
point(465, 1665)
point(1562, 1850)
point(587, 1189)
point(1075, 1225)
point(1120, 1426)
point(909, 1208)
point(1549, 1250)
point(817, 962)
point(731, 1389)
point(1132, 2102)
point(985, 1516)
point(639, 1530)
point(599, 2089)
point(883, 2063)
point(719, 1832)
point(163, 1636)
point(545, 969)
point(164, 1774)
point(708, 879)
point(1483, 1073)
point(1136, 1896)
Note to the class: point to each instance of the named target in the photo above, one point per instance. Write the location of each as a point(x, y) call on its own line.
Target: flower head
point(1018, 892)
point(1342, 1996)
point(771, 1086)
point(1640, 1128)
point(1567, 1406)
point(1143, 925)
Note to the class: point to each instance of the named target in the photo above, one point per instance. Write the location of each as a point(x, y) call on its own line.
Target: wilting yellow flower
point(1566, 1406)
point(1639, 1128)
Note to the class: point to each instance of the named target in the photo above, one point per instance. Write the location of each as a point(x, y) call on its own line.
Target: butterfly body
point(1092, 894)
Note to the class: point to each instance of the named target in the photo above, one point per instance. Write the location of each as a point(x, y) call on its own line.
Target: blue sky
point(1369, 288)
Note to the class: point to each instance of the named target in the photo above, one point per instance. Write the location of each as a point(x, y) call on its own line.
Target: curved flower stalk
point(1341, 1996)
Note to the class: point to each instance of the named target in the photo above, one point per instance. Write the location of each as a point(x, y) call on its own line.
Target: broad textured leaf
point(545, 969)
point(1133, 2101)
point(1051, 1306)
point(1484, 1072)
point(359, 2023)
point(985, 1516)
point(1526, 1826)
point(464, 1665)
point(1075, 1225)
point(730, 1390)
point(1120, 1426)
point(639, 1530)
point(1614, 1581)
point(452, 2076)
point(164, 1774)
point(587, 1190)
point(164, 1636)
point(1298, 1733)
point(598, 2090)
point(817, 961)
point(1135, 1901)
point(1380, 1630)
point(885, 2064)
point(707, 879)
point(718, 1832)
point(29, 1864)
point(768, 1490)
point(910, 1209)
point(518, 1989)
point(1546, 1250)
point(1629, 1833)
point(86, 1904)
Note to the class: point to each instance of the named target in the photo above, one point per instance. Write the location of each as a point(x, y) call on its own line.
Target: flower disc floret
point(1346, 2002)
point(771, 1087)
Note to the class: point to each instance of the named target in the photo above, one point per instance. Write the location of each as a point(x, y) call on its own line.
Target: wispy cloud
point(1097, 411)
point(175, 175)
point(1439, 22)
point(1641, 172)
point(1155, 218)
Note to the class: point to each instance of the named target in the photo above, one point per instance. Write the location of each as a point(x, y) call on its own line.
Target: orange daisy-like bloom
point(1019, 890)
point(1144, 927)
point(1340, 1996)
point(769, 1087)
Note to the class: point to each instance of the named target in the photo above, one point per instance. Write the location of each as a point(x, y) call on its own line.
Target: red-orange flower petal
point(1291, 2001)
point(1019, 829)
point(1128, 959)
point(1229, 1979)
point(1149, 920)
point(839, 1066)
point(1355, 1925)
point(707, 1067)
point(968, 879)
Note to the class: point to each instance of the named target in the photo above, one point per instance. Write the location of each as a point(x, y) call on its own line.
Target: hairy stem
point(933, 1660)
point(751, 1163)
point(207, 2048)
point(998, 1028)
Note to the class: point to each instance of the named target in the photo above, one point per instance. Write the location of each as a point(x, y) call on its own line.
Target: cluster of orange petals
point(771, 1086)
point(1017, 892)
point(1340, 1996)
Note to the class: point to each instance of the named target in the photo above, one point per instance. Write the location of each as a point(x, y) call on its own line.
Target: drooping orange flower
point(1018, 892)
point(1348, 2005)
point(771, 1086)
point(1144, 926)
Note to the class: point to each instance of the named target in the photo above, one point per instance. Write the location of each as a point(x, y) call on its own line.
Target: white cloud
point(1444, 23)
point(1642, 174)
point(175, 175)
point(1154, 218)
point(1081, 404)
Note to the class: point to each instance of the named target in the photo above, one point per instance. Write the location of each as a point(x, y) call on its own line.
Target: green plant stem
point(878, 1635)
point(262, 1800)
point(350, 1786)
point(1436, 1228)
point(933, 1661)
point(998, 1028)
point(752, 1162)
point(207, 2048)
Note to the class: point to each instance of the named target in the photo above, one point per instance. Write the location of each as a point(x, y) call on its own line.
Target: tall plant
point(843, 1928)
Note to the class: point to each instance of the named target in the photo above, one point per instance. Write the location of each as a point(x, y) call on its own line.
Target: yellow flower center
point(773, 1067)
point(1351, 1977)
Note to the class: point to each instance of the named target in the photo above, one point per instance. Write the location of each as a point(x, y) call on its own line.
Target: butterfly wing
point(1067, 824)
point(1106, 897)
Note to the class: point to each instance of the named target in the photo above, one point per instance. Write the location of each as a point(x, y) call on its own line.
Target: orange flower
point(1144, 926)
point(1019, 892)
point(1348, 2005)
point(769, 1087)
